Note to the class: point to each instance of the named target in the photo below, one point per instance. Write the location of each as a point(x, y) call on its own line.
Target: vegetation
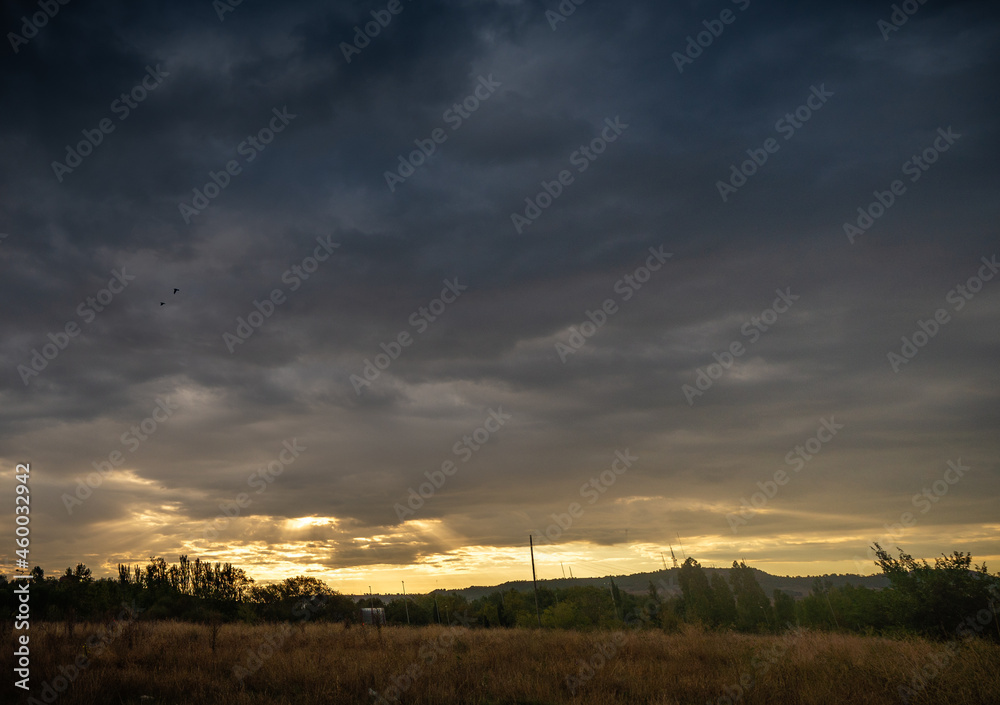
point(927, 638)
point(172, 662)
point(947, 600)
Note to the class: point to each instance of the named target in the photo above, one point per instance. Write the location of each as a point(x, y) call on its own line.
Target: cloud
point(323, 176)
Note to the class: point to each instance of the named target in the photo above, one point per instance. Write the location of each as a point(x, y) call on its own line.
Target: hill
point(638, 583)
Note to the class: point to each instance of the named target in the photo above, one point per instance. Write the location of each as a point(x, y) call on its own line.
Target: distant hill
point(638, 583)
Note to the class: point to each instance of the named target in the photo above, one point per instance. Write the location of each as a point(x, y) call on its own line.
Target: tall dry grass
point(326, 663)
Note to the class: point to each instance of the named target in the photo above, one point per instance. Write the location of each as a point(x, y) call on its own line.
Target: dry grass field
point(150, 662)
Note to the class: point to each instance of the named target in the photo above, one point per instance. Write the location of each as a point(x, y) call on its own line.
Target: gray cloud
point(323, 176)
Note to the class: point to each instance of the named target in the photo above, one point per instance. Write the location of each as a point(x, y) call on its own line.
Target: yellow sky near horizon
point(467, 566)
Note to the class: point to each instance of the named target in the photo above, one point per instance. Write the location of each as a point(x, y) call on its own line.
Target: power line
point(595, 564)
point(602, 568)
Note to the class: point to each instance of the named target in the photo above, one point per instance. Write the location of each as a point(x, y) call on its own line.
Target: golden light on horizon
point(269, 550)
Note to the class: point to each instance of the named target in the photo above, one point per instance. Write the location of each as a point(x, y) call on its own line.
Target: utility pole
point(405, 606)
point(534, 580)
point(831, 610)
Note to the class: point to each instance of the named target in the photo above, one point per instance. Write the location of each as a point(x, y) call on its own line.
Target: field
point(170, 662)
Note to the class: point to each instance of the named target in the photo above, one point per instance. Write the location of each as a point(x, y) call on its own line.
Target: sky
point(717, 277)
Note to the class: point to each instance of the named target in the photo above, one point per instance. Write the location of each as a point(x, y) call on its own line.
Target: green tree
point(936, 600)
point(564, 615)
point(696, 593)
point(81, 574)
point(302, 586)
point(753, 609)
point(616, 600)
point(784, 609)
point(815, 609)
point(723, 603)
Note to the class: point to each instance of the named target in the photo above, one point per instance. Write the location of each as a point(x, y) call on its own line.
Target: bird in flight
point(164, 303)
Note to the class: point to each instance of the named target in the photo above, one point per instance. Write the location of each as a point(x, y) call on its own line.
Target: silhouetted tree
point(784, 609)
point(723, 603)
point(753, 609)
point(938, 600)
point(696, 592)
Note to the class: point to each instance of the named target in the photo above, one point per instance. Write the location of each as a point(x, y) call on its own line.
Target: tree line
point(950, 598)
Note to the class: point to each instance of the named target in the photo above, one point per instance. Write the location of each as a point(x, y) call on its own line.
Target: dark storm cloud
point(550, 92)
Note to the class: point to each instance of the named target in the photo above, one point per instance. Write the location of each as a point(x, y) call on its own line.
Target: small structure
point(373, 615)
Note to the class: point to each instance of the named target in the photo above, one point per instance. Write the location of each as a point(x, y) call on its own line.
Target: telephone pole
point(534, 580)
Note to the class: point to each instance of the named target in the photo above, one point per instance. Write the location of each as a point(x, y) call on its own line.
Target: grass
point(173, 662)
